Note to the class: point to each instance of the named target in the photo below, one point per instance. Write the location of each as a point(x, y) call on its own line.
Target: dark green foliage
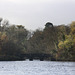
point(48, 24)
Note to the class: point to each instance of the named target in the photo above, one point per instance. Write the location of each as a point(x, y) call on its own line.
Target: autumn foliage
point(59, 41)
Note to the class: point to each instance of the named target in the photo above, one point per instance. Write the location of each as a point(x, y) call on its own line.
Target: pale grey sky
point(34, 14)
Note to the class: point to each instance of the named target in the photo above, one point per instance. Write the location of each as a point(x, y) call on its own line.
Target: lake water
point(36, 67)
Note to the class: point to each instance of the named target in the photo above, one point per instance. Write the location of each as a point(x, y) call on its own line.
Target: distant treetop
point(48, 24)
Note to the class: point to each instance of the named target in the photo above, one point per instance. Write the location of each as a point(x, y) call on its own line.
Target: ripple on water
point(37, 68)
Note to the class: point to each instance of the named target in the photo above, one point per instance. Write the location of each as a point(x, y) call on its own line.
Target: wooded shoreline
point(58, 41)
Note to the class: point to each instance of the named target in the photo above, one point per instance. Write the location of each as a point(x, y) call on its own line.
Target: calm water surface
point(36, 67)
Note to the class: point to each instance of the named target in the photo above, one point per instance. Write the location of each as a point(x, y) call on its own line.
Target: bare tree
point(1, 20)
point(5, 24)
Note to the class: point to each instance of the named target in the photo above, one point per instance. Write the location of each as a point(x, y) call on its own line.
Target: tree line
point(59, 41)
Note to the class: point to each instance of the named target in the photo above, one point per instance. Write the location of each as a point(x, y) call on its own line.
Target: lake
point(36, 67)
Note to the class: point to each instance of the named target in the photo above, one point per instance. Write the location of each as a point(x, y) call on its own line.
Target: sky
point(34, 14)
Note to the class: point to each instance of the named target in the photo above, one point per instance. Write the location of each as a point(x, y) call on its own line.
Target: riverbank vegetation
point(58, 41)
